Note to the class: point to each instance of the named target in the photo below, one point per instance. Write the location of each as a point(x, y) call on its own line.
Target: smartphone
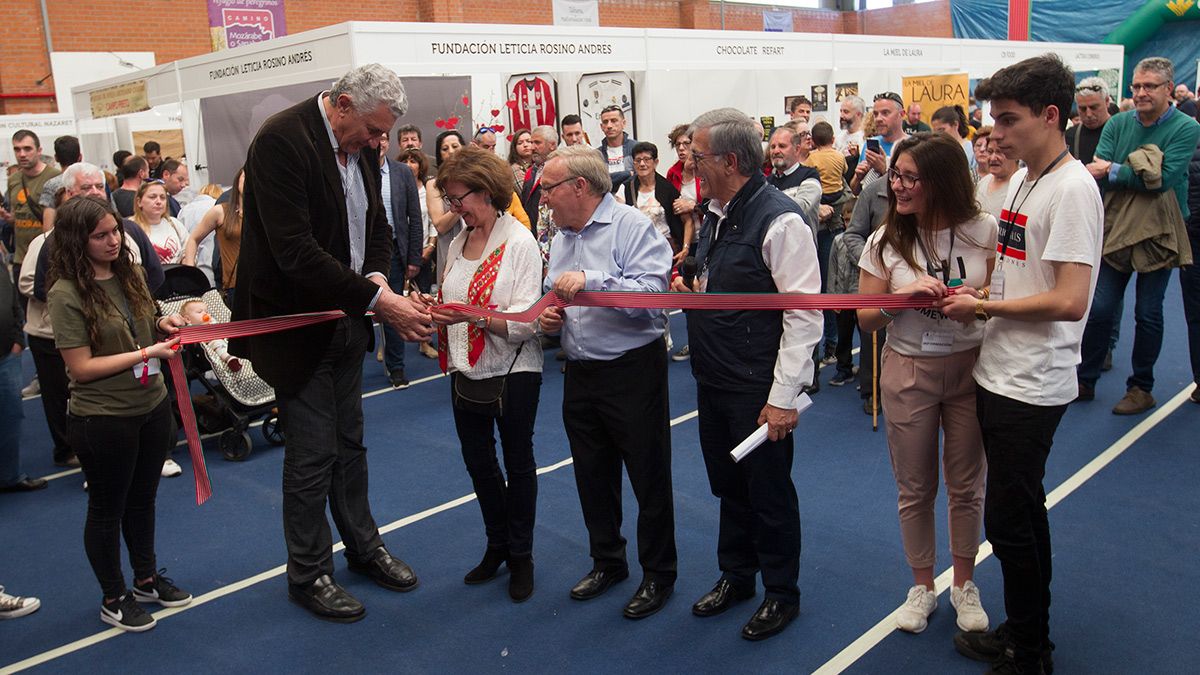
point(873, 145)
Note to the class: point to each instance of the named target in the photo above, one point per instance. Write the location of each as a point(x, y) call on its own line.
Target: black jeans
point(52, 376)
point(617, 412)
point(1189, 286)
point(324, 460)
point(847, 324)
point(760, 513)
point(1016, 439)
point(508, 509)
point(122, 460)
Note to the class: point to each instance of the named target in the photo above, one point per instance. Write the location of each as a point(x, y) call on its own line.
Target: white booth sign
point(577, 13)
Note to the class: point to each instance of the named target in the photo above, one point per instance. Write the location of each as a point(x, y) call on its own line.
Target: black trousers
point(617, 412)
point(52, 376)
point(509, 508)
point(1016, 438)
point(122, 460)
point(325, 461)
point(760, 513)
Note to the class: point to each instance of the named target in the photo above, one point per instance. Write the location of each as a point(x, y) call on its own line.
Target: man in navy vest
point(750, 366)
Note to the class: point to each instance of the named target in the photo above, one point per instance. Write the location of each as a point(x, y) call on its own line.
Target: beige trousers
point(920, 396)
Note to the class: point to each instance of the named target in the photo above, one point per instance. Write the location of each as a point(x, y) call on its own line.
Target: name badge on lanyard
point(997, 286)
point(937, 341)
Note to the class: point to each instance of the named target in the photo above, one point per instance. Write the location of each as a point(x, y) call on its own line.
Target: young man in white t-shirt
point(1049, 254)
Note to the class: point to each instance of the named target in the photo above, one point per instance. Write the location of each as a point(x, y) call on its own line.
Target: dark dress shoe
point(771, 618)
point(25, 485)
point(325, 599)
point(650, 597)
point(391, 573)
point(597, 582)
point(723, 596)
point(520, 580)
point(487, 568)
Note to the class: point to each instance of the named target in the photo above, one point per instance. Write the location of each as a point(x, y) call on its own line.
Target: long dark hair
point(232, 221)
point(513, 157)
point(73, 225)
point(437, 143)
point(949, 196)
point(952, 114)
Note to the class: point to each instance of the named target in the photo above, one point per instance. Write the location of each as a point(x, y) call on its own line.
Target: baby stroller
point(238, 398)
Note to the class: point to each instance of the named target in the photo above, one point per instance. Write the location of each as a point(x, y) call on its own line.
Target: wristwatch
point(980, 313)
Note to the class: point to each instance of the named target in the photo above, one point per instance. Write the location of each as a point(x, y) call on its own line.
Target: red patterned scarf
point(479, 293)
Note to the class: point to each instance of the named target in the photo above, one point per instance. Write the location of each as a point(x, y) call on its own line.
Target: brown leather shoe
point(1136, 401)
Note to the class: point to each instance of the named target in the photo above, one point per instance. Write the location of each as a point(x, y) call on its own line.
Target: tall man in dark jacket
point(402, 205)
point(315, 238)
point(750, 366)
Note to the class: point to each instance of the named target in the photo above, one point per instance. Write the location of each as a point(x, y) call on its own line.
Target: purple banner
point(233, 23)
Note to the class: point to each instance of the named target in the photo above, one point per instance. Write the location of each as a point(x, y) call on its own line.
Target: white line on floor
point(223, 591)
point(876, 634)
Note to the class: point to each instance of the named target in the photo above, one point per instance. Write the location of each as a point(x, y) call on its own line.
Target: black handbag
point(482, 397)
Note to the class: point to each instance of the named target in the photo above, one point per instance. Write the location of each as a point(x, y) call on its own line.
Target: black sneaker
point(841, 378)
point(991, 646)
point(683, 354)
point(1007, 664)
point(161, 590)
point(127, 615)
point(396, 377)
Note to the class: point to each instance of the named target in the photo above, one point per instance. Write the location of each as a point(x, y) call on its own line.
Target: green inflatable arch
point(1145, 22)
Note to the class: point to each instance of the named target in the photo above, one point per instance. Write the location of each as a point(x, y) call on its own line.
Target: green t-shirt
point(26, 223)
point(119, 394)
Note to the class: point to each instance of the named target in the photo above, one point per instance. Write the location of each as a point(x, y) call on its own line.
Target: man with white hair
point(851, 112)
point(315, 237)
point(1091, 100)
point(749, 367)
point(1155, 122)
point(544, 140)
point(615, 407)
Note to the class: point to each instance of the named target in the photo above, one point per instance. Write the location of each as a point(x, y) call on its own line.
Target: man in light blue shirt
point(615, 394)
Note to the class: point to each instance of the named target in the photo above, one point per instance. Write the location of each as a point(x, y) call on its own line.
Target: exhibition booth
point(506, 77)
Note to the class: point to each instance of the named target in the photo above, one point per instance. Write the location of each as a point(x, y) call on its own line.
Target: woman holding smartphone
point(119, 419)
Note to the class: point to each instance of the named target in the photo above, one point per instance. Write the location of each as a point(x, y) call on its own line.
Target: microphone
point(687, 270)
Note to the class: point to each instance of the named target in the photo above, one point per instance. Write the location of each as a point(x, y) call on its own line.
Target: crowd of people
point(1023, 235)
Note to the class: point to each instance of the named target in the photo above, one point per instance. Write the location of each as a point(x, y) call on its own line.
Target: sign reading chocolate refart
point(121, 99)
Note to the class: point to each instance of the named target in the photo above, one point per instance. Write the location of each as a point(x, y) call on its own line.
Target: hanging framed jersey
point(596, 92)
point(532, 101)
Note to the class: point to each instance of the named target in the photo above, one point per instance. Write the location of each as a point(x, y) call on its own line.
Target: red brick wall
point(176, 29)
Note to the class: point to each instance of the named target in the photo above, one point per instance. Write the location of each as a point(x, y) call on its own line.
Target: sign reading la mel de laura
point(936, 91)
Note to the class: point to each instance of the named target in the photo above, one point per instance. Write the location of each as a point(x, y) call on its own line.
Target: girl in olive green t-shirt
point(119, 420)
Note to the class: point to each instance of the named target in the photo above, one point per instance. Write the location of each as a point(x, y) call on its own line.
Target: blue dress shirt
point(618, 250)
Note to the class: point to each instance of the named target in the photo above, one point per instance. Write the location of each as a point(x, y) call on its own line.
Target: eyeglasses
point(906, 181)
point(1148, 87)
point(1089, 87)
point(891, 96)
point(456, 202)
point(644, 160)
point(698, 157)
point(547, 188)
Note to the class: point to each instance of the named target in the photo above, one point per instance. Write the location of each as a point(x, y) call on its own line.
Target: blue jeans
point(393, 344)
point(1189, 283)
point(824, 245)
point(11, 415)
point(1148, 330)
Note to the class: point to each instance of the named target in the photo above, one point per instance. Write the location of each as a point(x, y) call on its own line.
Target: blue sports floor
point(1123, 514)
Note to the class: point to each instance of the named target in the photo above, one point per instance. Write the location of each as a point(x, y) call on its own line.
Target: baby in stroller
point(195, 312)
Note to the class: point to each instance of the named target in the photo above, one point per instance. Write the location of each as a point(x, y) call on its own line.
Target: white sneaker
point(913, 617)
point(171, 468)
point(32, 389)
point(971, 616)
point(12, 606)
